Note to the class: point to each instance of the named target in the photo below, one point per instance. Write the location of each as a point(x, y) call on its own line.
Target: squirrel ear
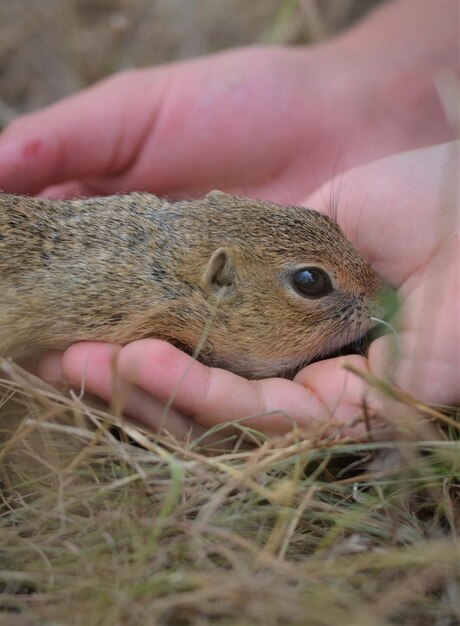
point(220, 274)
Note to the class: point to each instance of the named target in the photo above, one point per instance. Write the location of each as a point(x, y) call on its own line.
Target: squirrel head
point(282, 285)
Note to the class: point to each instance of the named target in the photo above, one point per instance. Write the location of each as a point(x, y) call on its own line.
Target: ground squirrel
point(265, 288)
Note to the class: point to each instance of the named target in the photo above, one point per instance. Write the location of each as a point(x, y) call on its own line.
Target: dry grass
point(115, 526)
point(99, 528)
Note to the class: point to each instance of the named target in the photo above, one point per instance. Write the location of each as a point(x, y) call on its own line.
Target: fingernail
point(50, 367)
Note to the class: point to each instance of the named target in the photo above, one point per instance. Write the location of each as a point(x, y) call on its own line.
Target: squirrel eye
point(312, 282)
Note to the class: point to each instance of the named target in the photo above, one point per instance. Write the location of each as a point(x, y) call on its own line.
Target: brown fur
point(125, 267)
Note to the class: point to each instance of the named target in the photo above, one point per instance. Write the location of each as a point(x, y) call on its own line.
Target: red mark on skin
point(31, 149)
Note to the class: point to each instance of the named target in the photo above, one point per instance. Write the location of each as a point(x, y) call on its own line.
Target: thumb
point(422, 357)
point(388, 208)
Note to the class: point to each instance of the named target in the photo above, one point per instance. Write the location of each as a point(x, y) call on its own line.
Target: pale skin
point(271, 123)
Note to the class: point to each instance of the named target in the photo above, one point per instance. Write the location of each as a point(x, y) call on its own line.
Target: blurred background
point(50, 48)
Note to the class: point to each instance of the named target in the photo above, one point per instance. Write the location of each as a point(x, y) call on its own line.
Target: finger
point(177, 129)
point(213, 396)
point(79, 137)
point(92, 368)
point(422, 355)
point(392, 209)
point(416, 363)
point(333, 381)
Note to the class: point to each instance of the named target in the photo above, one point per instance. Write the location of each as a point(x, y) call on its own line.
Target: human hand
point(352, 97)
point(273, 123)
point(401, 213)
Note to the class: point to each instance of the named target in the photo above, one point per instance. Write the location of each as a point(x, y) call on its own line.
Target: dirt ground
point(51, 48)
